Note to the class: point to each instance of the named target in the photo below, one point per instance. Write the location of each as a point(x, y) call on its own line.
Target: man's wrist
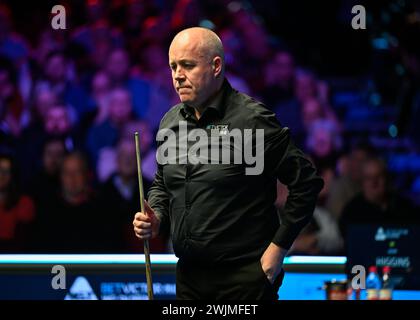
point(279, 251)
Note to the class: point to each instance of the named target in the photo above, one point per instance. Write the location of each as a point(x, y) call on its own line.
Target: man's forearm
point(304, 185)
point(297, 213)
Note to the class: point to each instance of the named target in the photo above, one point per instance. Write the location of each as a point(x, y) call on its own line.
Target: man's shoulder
point(102, 128)
point(356, 205)
point(249, 105)
point(254, 112)
point(246, 106)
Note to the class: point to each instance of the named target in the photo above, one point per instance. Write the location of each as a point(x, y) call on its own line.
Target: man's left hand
point(272, 261)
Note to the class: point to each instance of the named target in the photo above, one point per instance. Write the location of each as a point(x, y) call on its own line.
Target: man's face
point(280, 71)
point(120, 106)
point(56, 68)
point(5, 173)
point(57, 121)
point(126, 160)
point(100, 85)
point(312, 110)
point(323, 144)
point(192, 72)
point(284, 66)
point(357, 158)
point(374, 181)
point(6, 86)
point(73, 176)
point(118, 65)
point(44, 101)
point(145, 134)
point(52, 157)
point(305, 87)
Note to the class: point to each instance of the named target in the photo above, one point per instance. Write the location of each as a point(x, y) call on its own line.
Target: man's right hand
point(146, 224)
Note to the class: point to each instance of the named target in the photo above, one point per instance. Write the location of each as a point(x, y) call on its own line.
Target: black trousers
point(245, 282)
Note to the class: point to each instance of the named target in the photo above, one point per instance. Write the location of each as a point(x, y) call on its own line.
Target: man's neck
point(380, 202)
point(126, 180)
point(75, 199)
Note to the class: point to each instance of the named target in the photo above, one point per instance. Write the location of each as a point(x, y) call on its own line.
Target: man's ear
point(217, 66)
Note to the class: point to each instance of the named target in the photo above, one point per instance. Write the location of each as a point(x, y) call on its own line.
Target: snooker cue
point(146, 241)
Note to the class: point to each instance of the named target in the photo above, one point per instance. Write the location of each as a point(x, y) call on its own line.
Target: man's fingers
point(142, 232)
point(145, 237)
point(142, 224)
point(140, 216)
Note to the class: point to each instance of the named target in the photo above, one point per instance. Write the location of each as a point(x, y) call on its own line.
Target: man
point(69, 221)
point(349, 183)
point(105, 134)
point(120, 195)
point(223, 222)
point(56, 124)
point(377, 202)
point(46, 181)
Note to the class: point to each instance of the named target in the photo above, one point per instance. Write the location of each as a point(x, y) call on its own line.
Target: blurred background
point(71, 99)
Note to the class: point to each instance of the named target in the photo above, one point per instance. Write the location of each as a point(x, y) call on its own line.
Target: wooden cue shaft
point(146, 242)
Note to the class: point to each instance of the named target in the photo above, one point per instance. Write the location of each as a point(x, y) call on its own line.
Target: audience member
point(348, 183)
point(377, 202)
point(107, 133)
point(17, 211)
point(72, 222)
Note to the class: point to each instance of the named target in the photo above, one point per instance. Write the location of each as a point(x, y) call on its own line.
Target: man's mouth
point(184, 91)
point(181, 88)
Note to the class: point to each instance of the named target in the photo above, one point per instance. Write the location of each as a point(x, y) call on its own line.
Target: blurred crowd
point(70, 101)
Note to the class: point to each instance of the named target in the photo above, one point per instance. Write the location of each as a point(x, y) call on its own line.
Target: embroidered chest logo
point(221, 129)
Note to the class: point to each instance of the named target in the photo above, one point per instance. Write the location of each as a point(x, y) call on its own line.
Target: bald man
point(223, 223)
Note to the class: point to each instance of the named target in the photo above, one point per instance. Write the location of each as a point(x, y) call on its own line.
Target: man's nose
point(179, 75)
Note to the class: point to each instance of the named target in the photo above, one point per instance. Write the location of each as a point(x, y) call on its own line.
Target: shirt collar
point(217, 102)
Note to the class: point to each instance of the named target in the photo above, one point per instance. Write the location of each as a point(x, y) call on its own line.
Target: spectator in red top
point(16, 210)
point(13, 114)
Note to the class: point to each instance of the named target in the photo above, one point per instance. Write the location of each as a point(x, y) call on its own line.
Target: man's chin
point(186, 100)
